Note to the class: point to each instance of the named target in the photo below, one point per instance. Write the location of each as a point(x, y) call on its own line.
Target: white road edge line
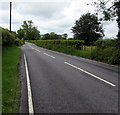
point(49, 55)
point(91, 74)
point(30, 102)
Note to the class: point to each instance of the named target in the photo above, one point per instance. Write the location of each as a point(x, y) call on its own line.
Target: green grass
point(75, 52)
point(10, 79)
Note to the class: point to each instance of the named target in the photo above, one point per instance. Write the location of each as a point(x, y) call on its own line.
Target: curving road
point(62, 83)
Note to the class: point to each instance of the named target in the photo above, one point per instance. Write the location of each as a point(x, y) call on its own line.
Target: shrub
point(109, 55)
point(19, 42)
point(103, 43)
point(8, 38)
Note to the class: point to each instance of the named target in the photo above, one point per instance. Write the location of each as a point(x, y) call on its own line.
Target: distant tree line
point(54, 36)
point(29, 32)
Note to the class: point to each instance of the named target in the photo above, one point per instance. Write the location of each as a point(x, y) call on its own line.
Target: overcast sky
point(50, 15)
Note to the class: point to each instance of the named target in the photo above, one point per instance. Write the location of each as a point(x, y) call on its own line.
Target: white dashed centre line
point(37, 50)
point(105, 81)
point(40, 51)
point(34, 48)
point(49, 55)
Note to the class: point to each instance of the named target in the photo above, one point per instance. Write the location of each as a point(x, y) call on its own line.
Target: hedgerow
point(10, 38)
point(107, 51)
point(56, 44)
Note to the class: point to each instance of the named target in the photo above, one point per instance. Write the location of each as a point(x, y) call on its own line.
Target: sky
point(50, 15)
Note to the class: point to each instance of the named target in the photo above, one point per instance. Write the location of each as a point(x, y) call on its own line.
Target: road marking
point(49, 55)
point(30, 46)
point(91, 74)
point(37, 50)
point(34, 48)
point(30, 102)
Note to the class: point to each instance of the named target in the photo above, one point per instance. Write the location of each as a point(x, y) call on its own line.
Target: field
point(10, 79)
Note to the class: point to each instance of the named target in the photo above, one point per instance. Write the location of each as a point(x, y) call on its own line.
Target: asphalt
point(60, 88)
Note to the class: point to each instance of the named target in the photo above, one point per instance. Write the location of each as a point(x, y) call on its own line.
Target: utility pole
point(10, 14)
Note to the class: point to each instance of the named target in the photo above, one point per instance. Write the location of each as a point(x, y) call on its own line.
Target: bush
point(7, 37)
point(109, 55)
point(103, 43)
point(19, 42)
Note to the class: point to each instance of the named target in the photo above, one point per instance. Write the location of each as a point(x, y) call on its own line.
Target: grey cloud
point(65, 23)
point(42, 9)
point(4, 5)
point(4, 17)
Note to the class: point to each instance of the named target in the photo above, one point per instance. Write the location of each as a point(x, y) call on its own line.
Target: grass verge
point(10, 79)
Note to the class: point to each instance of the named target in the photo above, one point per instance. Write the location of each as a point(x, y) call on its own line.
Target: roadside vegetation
point(10, 72)
point(72, 47)
point(105, 50)
point(10, 79)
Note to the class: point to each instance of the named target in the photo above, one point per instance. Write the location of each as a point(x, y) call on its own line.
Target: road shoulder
point(23, 99)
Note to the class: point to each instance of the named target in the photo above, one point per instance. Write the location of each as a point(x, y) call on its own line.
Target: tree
point(46, 37)
point(28, 31)
point(87, 28)
point(109, 12)
point(64, 36)
point(52, 36)
point(20, 34)
point(55, 36)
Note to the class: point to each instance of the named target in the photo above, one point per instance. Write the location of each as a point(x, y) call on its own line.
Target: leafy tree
point(55, 36)
point(109, 12)
point(59, 36)
point(64, 36)
point(21, 33)
point(28, 31)
point(70, 38)
point(87, 28)
point(46, 37)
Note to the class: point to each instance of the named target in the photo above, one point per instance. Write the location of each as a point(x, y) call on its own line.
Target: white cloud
point(57, 16)
point(110, 29)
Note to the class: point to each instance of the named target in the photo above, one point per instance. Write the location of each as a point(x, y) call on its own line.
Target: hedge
point(56, 44)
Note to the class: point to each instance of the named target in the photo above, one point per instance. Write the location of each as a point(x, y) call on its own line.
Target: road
point(62, 83)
